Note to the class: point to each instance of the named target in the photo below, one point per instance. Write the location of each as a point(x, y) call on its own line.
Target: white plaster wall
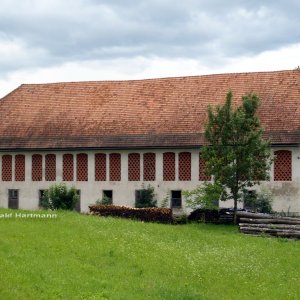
point(286, 194)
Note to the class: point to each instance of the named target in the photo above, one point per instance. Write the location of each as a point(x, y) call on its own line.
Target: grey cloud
point(89, 30)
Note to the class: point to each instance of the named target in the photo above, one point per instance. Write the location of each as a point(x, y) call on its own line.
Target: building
point(110, 137)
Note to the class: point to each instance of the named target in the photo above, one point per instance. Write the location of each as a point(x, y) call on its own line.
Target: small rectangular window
point(176, 200)
point(108, 194)
point(13, 199)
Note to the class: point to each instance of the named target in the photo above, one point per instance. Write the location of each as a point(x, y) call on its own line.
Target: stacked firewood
point(255, 223)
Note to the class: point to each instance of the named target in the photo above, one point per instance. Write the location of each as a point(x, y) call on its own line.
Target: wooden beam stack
point(258, 224)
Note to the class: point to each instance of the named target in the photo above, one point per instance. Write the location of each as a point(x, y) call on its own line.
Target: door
point(13, 199)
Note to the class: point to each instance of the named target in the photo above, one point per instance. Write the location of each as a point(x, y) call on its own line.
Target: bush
point(104, 201)
point(154, 214)
point(145, 197)
point(59, 196)
point(260, 202)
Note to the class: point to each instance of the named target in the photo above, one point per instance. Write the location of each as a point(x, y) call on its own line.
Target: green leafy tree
point(236, 155)
point(59, 196)
point(205, 196)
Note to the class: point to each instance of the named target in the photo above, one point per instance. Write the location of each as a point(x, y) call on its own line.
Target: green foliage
point(204, 196)
point(237, 155)
point(145, 197)
point(59, 196)
point(104, 201)
point(259, 202)
point(180, 219)
point(165, 202)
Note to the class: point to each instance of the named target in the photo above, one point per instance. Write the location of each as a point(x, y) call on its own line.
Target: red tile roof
point(168, 112)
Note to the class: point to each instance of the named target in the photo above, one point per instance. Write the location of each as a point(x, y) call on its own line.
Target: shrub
point(153, 214)
point(145, 197)
point(59, 196)
point(165, 202)
point(104, 201)
point(260, 202)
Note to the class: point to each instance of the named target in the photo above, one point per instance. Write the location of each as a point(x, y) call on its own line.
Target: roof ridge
point(158, 78)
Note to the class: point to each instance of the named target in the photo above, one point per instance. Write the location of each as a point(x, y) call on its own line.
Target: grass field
point(86, 257)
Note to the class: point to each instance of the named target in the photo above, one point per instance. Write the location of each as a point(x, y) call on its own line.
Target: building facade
point(114, 138)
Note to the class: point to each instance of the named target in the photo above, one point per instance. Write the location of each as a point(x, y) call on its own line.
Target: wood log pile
point(258, 224)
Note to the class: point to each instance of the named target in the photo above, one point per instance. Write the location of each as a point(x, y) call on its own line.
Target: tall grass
point(87, 257)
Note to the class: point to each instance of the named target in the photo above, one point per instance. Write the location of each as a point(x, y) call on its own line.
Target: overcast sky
point(72, 40)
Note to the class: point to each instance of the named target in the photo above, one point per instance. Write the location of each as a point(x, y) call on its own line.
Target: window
point(50, 167)
point(41, 195)
point(82, 167)
point(13, 199)
point(283, 165)
point(78, 204)
point(114, 167)
point(176, 200)
point(185, 166)
point(68, 167)
point(100, 167)
point(249, 197)
point(6, 168)
point(133, 166)
point(37, 167)
point(108, 194)
point(149, 166)
point(169, 166)
point(202, 175)
point(20, 167)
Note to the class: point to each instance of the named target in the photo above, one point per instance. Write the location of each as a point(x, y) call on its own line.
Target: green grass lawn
point(87, 257)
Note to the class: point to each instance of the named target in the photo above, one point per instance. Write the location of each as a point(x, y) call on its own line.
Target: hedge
point(153, 214)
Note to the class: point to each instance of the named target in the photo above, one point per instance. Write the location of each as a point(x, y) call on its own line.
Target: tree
point(236, 154)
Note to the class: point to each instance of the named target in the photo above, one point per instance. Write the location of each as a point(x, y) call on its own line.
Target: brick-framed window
point(114, 166)
point(82, 167)
point(20, 167)
point(68, 167)
point(37, 167)
point(169, 166)
point(202, 175)
point(134, 168)
point(185, 164)
point(100, 167)
point(283, 165)
point(6, 168)
point(50, 167)
point(149, 166)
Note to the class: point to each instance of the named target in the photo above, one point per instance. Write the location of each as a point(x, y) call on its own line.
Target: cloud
point(37, 36)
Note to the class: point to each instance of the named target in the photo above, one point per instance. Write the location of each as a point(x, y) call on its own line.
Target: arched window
point(50, 167)
point(185, 166)
point(134, 168)
point(6, 168)
point(283, 165)
point(202, 175)
point(82, 167)
point(169, 166)
point(68, 167)
point(114, 166)
point(37, 167)
point(100, 166)
point(20, 167)
point(149, 166)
